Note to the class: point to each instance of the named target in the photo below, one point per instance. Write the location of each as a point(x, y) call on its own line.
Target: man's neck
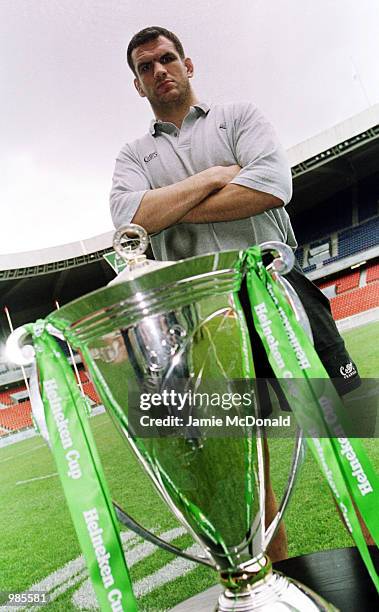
point(176, 111)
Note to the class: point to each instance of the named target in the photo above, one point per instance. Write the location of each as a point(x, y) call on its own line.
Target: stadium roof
point(335, 159)
point(339, 134)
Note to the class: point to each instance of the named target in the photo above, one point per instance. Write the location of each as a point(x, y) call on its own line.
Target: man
point(207, 178)
point(185, 174)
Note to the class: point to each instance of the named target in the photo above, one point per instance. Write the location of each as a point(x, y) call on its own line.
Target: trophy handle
point(282, 263)
point(128, 521)
point(18, 347)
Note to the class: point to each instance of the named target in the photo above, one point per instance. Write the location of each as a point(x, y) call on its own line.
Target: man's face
point(162, 75)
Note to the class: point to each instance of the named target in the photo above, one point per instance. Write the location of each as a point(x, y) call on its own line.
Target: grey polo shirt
point(215, 135)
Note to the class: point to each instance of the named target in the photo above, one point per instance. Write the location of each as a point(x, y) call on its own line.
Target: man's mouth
point(165, 85)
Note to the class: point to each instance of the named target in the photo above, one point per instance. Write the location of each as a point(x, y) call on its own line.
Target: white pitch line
point(169, 572)
point(19, 482)
point(23, 453)
point(75, 571)
point(84, 598)
point(71, 572)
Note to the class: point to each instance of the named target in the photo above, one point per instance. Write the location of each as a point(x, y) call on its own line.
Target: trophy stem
point(256, 587)
point(239, 584)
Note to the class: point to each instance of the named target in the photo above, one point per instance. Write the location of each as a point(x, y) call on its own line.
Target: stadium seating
point(350, 241)
point(300, 255)
point(16, 417)
point(372, 273)
point(344, 283)
point(83, 376)
point(5, 395)
point(90, 391)
point(5, 399)
point(355, 301)
point(351, 298)
point(358, 238)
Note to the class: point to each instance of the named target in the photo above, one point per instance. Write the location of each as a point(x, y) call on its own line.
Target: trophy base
point(275, 593)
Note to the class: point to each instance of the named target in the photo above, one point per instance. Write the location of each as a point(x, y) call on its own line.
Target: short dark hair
point(151, 33)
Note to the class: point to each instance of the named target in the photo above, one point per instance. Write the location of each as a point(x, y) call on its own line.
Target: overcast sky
point(67, 103)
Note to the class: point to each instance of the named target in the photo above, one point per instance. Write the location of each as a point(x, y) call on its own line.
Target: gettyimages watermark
point(238, 408)
point(179, 400)
point(241, 408)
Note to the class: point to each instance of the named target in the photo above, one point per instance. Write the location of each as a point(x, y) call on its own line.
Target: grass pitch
point(39, 549)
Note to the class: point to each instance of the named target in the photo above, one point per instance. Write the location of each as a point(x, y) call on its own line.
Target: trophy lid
point(130, 243)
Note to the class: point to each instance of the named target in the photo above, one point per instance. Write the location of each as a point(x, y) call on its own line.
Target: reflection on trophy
point(180, 328)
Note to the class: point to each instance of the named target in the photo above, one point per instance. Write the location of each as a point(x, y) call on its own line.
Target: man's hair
point(148, 34)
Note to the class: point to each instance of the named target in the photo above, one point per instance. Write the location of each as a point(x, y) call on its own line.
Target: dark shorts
point(328, 343)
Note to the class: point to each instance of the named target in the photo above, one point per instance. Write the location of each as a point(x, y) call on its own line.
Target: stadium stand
point(353, 292)
point(372, 273)
point(90, 392)
point(350, 281)
point(15, 417)
point(349, 242)
point(355, 301)
point(300, 255)
point(358, 238)
point(344, 283)
point(83, 376)
point(6, 395)
point(4, 400)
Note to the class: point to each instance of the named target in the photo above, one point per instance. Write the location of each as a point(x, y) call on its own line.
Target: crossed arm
point(209, 196)
point(206, 197)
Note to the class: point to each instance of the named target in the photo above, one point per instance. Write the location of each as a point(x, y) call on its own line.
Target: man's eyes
point(166, 59)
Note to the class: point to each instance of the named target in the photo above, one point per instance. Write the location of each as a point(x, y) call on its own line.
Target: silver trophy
point(180, 328)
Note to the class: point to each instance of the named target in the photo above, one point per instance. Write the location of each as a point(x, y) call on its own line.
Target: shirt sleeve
point(263, 160)
point(129, 185)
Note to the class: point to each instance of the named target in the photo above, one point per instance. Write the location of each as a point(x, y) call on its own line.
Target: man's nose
point(159, 70)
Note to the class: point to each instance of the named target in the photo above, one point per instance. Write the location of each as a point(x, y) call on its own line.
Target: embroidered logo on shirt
point(348, 371)
point(222, 126)
point(148, 158)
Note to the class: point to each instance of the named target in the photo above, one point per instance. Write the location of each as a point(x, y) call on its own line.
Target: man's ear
point(189, 65)
point(138, 87)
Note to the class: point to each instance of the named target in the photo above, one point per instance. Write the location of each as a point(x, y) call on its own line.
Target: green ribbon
point(81, 474)
point(316, 405)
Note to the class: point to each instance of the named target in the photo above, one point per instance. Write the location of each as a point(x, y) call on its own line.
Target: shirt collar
point(202, 108)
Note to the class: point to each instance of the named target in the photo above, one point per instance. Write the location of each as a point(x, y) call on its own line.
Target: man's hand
point(165, 206)
point(224, 174)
